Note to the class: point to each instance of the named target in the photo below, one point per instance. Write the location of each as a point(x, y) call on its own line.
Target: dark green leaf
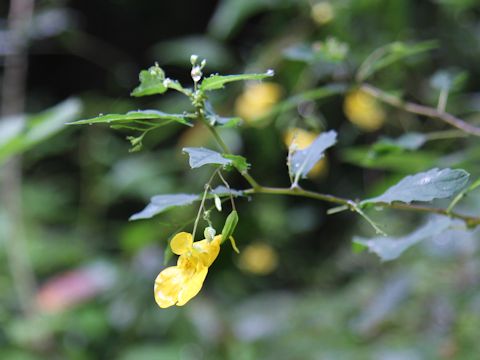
point(161, 203)
point(390, 248)
point(302, 161)
point(425, 186)
point(215, 82)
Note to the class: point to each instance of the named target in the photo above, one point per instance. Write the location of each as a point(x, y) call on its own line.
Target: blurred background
point(76, 277)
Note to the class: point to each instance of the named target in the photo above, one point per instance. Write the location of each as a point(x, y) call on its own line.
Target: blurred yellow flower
point(257, 100)
point(176, 285)
point(259, 258)
point(303, 139)
point(364, 110)
point(322, 12)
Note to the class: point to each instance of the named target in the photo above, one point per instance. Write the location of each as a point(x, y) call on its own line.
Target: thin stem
point(207, 185)
point(421, 109)
point(471, 221)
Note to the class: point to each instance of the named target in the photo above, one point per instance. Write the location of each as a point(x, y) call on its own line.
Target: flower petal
point(208, 250)
point(181, 243)
point(168, 285)
point(193, 286)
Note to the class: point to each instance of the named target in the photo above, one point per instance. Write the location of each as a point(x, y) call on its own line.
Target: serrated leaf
point(133, 116)
point(215, 82)
point(151, 82)
point(302, 161)
point(425, 186)
point(390, 248)
point(202, 156)
point(19, 135)
point(161, 203)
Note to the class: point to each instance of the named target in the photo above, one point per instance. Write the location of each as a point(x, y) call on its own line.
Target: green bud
point(230, 225)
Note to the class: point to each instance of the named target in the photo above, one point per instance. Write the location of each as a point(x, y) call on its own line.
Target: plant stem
point(471, 221)
point(420, 109)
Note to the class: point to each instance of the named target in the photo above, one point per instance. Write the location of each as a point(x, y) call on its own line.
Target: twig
point(471, 221)
point(421, 109)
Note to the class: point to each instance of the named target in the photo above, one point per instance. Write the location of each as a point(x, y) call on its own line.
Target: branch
point(420, 109)
point(470, 221)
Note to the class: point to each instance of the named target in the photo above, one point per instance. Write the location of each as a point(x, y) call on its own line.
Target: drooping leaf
point(302, 161)
point(215, 82)
point(390, 248)
point(202, 156)
point(19, 135)
point(161, 203)
point(133, 116)
point(425, 186)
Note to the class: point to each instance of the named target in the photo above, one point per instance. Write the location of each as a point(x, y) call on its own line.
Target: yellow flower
point(176, 285)
point(257, 100)
point(259, 258)
point(363, 110)
point(303, 139)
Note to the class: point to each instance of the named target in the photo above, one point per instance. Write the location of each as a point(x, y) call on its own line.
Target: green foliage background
point(323, 301)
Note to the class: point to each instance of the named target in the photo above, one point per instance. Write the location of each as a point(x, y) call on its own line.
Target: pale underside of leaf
point(425, 186)
point(302, 161)
point(390, 248)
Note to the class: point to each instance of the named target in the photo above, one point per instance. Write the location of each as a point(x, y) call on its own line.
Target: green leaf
point(215, 82)
point(238, 161)
point(136, 116)
point(161, 203)
point(216, 120)
point(302, 161)
point(19, 135)
point(154, 82)
point(151, 82)
point(425, 186)
point(390, 248)
point(203, 156)
point(389, 54)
